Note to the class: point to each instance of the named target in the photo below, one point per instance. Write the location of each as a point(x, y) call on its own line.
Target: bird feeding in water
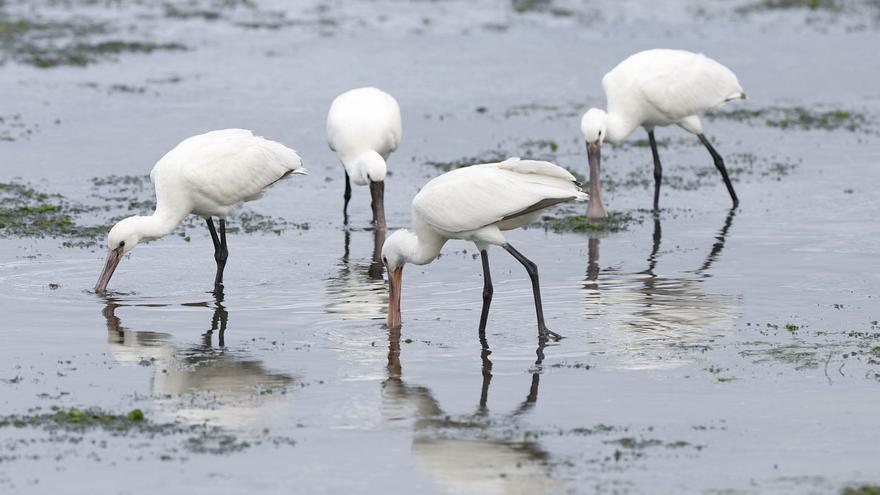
point(477, 204)
point(209, 175)
point(363, 128)
point(657, 88)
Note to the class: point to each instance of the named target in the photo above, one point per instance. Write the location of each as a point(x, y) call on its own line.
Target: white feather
point(661, 87)
point(474, 197)
point(213, 173)
point(361, 120)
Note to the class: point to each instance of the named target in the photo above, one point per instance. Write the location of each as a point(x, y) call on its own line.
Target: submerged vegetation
point(75, 41)
point(27, 212)
point(616, 221)
point(799, 118)
point(72, 425)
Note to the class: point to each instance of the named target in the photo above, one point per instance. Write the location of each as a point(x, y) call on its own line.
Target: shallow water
point(677, 374)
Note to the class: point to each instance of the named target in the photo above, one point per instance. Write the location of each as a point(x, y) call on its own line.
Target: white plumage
point(362, 120)
point(211, 174)
point(464, 201)
point(663, 87)
point(657, 88)
point(363, 128)
point(477, 203)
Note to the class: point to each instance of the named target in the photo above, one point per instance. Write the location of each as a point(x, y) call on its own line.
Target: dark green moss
point(614, 222)
point(861, 490)
point(767, 5)
point(77, 420)
point(26, 212)
point(799, 118)
point(485, 157)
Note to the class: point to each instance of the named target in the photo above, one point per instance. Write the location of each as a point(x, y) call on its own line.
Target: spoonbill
point(363, 128)
point(209, 175)
point(657, 88)
point(477, 203)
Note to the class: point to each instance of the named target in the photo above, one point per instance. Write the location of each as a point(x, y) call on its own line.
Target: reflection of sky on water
point(650, 313)
point(206, 383)
point(465, 454)
point(358, 290)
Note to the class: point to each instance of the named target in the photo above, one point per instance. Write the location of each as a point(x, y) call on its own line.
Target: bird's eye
point(600, 133)
point(121, 243)
point(384, 260)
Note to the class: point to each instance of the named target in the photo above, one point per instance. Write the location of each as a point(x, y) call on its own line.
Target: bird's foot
point(546, 334)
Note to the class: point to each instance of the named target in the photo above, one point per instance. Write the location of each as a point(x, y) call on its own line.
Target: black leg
point(487, 375)
point(487, 292)
point(221, 253)
point(719, 164)
point(347, 197)
point(658, 169)
point(532, 269)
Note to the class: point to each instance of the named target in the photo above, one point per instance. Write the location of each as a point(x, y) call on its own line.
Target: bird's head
point(372, 165)
point(123, 237)
point(396, 252)
point(594, 125)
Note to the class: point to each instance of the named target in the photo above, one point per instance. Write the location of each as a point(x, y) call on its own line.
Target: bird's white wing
point(473, 197)
point(232, 165)
point(672, 83)
point(364, 119)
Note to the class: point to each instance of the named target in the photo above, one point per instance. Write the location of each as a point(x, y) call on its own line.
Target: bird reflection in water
point(471, 453)
point(200, 382)
point(358, 290)
point(656, 311)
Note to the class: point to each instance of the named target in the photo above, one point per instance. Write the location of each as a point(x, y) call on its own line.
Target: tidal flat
point(706, 350)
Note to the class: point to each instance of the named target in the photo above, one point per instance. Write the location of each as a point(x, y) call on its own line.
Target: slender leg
point(487, 292)
point(532, 269)
point(221, 253)
point(487, 375)
point(719, 164)
point(347, 197)
point(658, 170)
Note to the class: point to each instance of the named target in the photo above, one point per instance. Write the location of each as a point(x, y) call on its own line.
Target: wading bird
point(477, 203)
point(209, 175)
point(363, 128)
point(657, 88)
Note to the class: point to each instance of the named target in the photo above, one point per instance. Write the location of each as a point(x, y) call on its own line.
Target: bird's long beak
point(395, 279)
point(377, 191)
point(595, 208)
point(114, 256)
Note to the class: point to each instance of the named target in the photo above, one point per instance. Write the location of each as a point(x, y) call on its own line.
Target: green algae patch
point(484, 157)
point(615, 222)
point(75, 41)
point(797, 118)
point(861, 490)
point(87, 53)
point(73, 425)
point(80, 419)
point(27, 212)
point(770, 5)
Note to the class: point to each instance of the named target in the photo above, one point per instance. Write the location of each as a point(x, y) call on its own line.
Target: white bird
point(363, 128)
point(209, 175)
point(477, 203)
point(657, 88)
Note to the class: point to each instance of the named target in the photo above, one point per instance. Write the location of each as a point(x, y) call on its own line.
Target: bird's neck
point(618, 127)
point(424, 246)
point(161, 223)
